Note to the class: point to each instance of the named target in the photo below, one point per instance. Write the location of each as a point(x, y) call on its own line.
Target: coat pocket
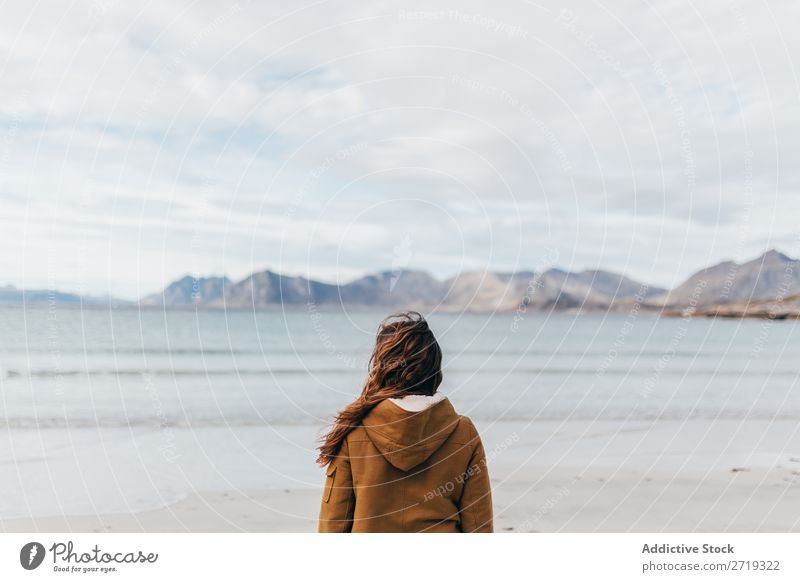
point(329, 483)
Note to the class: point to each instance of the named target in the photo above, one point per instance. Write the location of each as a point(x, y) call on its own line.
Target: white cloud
point(141, 142)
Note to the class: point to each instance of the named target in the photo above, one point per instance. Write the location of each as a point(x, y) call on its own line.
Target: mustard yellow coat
point(405, 471)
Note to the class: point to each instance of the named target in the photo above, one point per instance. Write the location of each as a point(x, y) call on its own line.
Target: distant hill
point(479, 292)
point(553, 289)
point(12, 296)
point(398, 288)
point(189, 290)
point(771, 276)
point(269, 289)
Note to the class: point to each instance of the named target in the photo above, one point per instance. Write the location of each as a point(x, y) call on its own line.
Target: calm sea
point(128, 410)
point(186, 368)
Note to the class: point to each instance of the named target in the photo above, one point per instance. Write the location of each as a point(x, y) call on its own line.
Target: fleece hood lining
point(417, 402)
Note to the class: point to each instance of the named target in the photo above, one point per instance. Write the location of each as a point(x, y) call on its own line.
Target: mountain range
point(484, 291)
point(765, 286)
point(770, 277)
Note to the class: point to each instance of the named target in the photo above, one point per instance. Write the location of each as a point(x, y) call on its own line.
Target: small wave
point(501, 371)
point(49, 373)
point(164, 351)
point(601, 351)
point(147, 423)
point(312, 420)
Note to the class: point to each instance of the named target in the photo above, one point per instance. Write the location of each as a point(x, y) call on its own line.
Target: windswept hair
point(406, 360)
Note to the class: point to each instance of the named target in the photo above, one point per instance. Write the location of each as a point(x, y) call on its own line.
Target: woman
point(399, 459)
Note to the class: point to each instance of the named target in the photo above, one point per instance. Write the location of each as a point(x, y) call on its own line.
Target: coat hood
point(407, 438)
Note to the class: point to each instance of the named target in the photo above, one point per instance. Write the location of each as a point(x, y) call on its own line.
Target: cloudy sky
point(143, 141)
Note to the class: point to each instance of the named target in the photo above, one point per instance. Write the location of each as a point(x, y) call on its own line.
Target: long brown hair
point(406, 360)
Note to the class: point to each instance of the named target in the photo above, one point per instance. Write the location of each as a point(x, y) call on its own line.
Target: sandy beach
point(737, 500)
point(547, 477)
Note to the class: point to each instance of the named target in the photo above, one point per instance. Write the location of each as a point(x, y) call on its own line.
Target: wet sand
point(561, 500)
point(547, 476)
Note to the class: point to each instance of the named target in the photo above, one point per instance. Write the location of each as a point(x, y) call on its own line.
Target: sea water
point(124, 410)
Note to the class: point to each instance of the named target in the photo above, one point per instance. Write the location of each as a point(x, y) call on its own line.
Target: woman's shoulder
point(465, 432)
point(358, 434)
